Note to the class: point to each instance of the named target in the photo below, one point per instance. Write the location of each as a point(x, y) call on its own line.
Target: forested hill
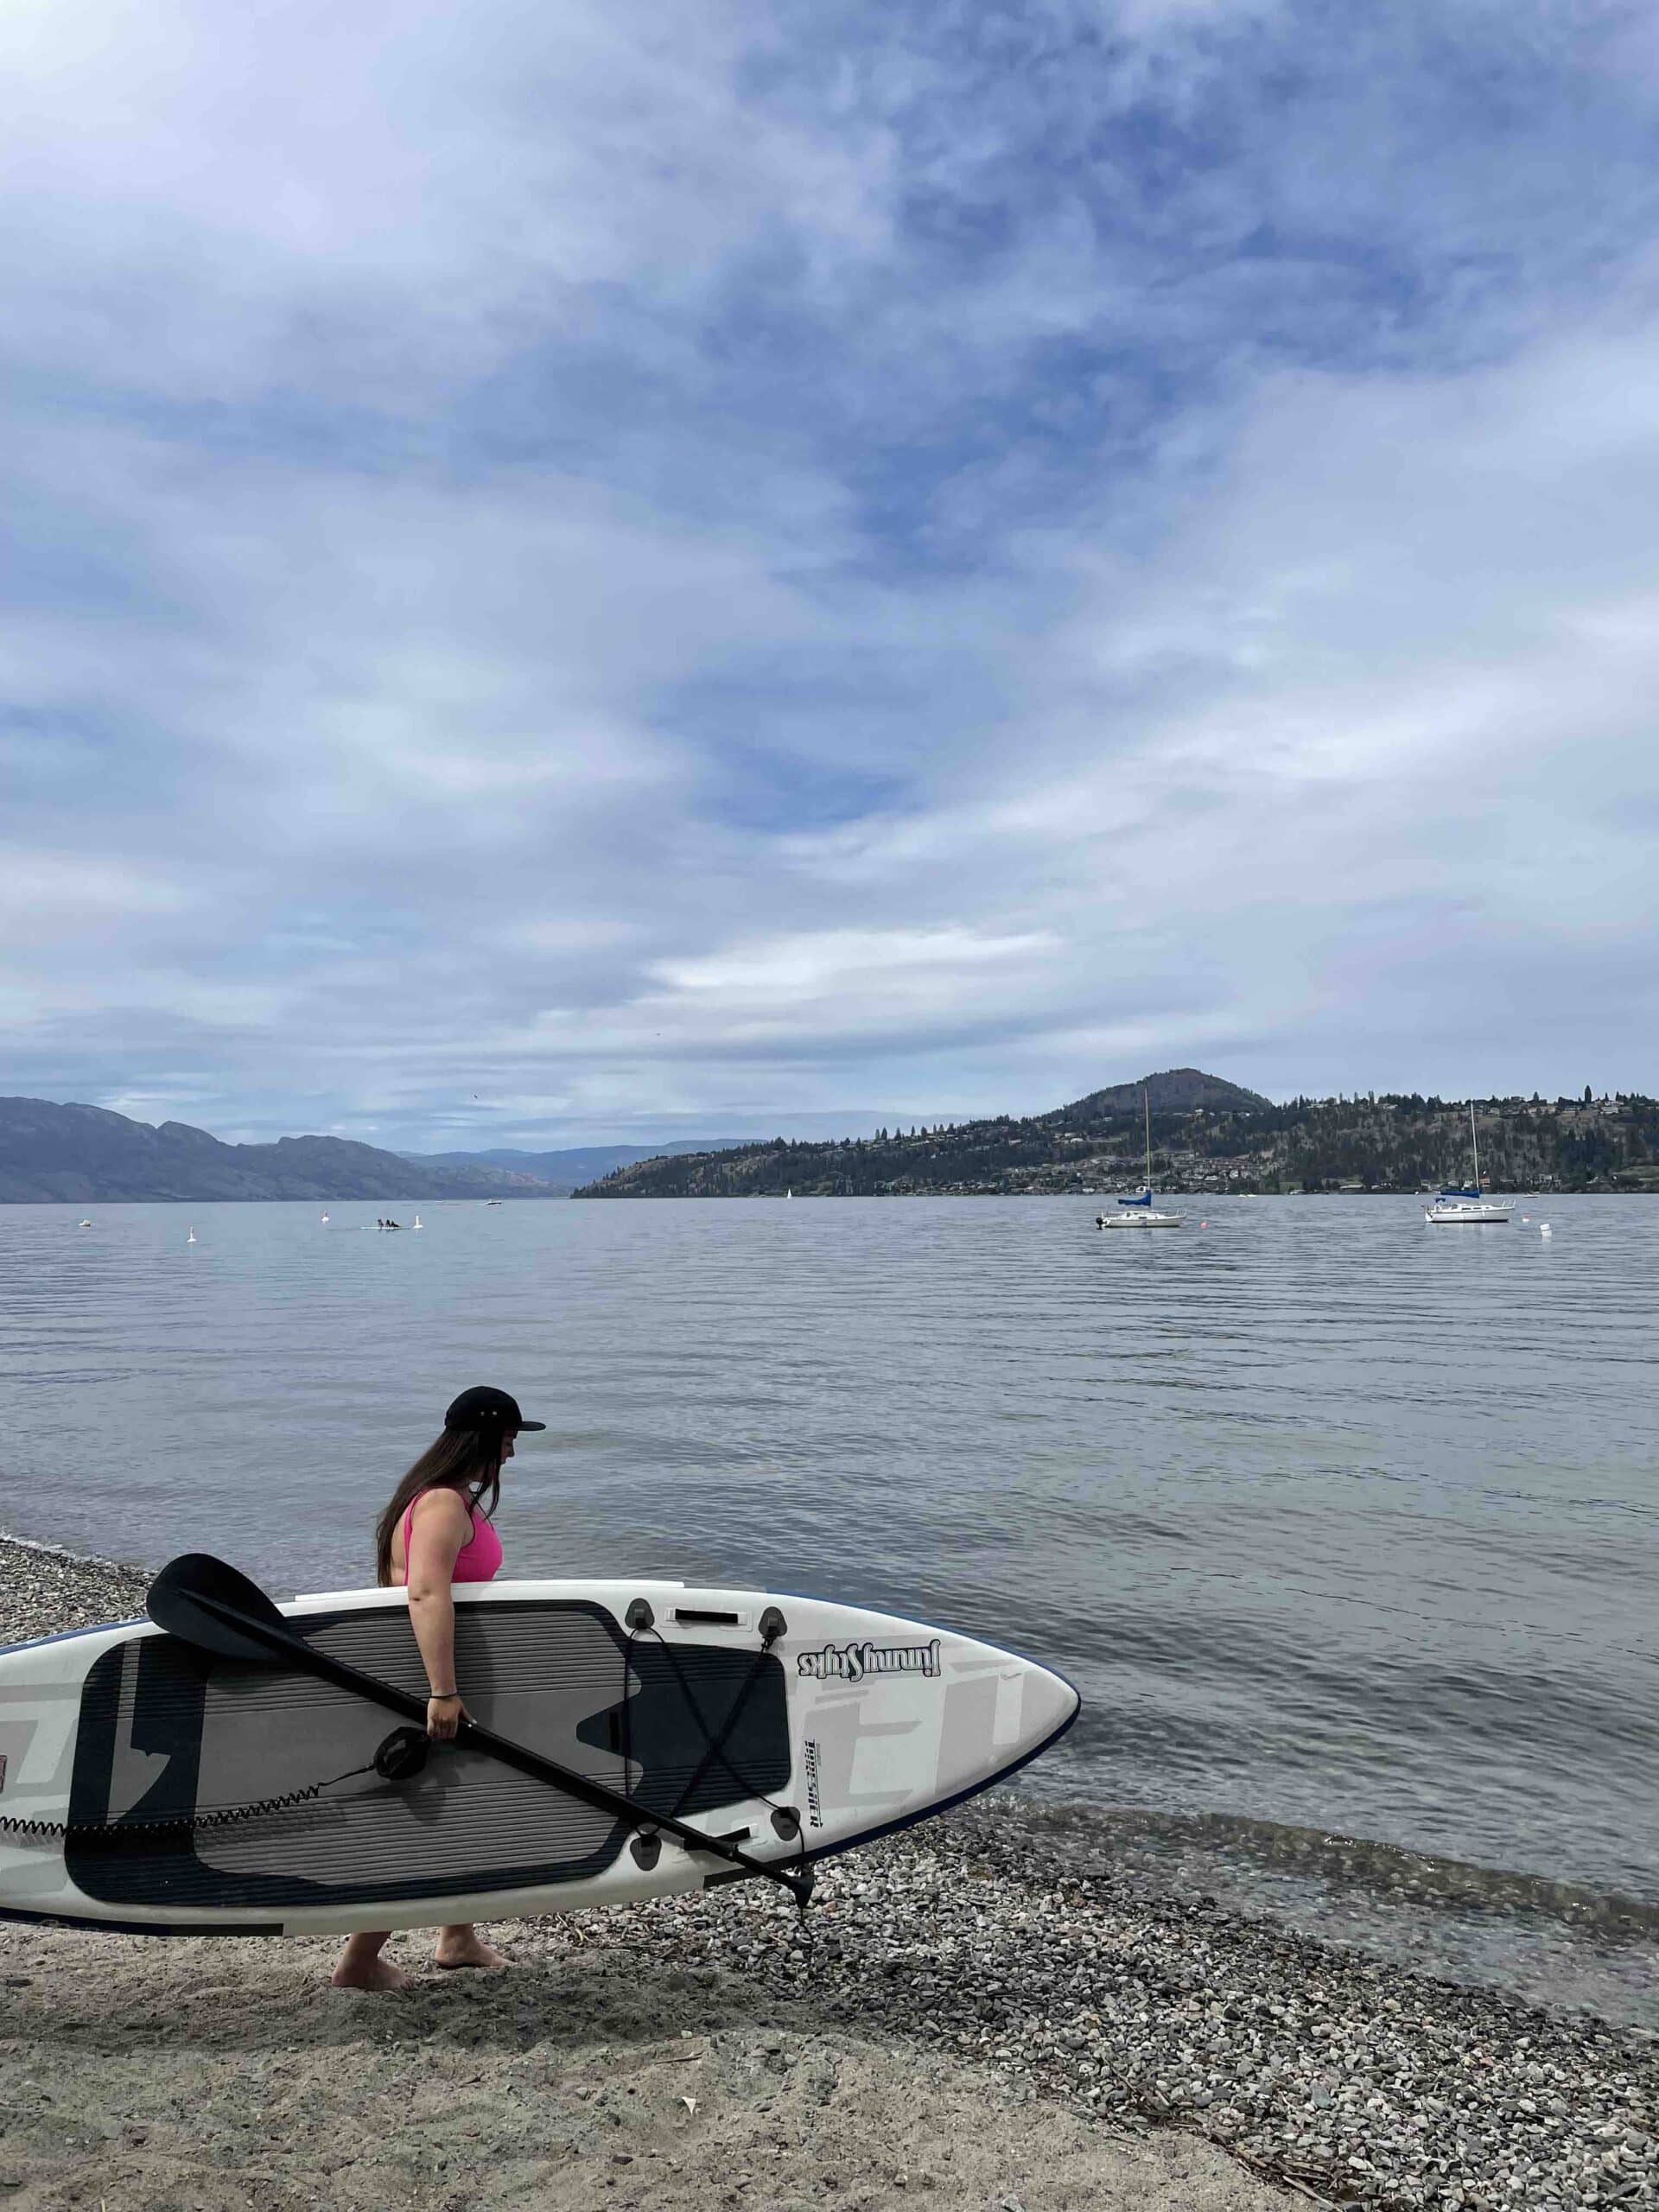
point(1234, 1140)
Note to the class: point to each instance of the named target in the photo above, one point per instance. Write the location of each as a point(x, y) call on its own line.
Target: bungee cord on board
point(399, 1759)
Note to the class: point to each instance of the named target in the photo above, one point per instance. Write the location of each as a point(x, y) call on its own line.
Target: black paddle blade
point(184, 1599)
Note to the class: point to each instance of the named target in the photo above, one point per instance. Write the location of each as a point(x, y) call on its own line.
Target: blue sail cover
point(1145, 1200)
point(1452, 1191)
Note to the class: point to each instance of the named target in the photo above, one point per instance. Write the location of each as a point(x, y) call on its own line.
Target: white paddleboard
point(792, 1727)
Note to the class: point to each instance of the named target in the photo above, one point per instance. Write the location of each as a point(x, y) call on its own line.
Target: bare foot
point(368, 1974)
point(467, 1950)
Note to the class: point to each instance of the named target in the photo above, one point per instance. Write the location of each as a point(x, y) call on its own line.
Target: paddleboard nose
point(1047, 1706)
point(1050, 1705)
point(1000, 1712)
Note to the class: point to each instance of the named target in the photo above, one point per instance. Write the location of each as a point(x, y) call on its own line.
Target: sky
point(587, 571)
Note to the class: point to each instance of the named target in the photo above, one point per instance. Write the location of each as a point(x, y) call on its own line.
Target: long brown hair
point(466, 1460)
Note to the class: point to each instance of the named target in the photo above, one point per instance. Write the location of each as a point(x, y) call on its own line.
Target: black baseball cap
point(483, 1408)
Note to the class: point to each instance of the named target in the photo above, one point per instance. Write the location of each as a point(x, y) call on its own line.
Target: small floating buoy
point(1544, 1229)
point(191, 1238)
point(416, 1224)
point(325, 1216)
point(1203, 1225)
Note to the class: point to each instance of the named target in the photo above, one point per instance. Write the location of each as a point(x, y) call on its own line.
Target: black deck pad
point(166, 1732)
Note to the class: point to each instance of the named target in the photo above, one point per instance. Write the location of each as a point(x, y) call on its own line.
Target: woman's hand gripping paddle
point(203, 1602)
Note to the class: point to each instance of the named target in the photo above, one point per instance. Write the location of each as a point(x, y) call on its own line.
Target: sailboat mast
point(1474, 1141)
point(1146, 1100)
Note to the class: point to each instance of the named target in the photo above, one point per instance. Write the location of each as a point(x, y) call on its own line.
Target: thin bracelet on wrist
point(444, 1694)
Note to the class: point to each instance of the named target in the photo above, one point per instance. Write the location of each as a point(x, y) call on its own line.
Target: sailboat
point(1463, 1202)
point(1139, 1212)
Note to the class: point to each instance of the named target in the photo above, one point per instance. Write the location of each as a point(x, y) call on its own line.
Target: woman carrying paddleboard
point(433, 1533)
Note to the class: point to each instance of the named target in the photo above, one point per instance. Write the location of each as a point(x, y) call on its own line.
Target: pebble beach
point(973, 2014)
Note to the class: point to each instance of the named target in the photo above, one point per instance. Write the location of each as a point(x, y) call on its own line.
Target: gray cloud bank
point(583, 572)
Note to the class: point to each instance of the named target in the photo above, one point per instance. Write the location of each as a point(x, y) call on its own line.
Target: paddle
point(203, 1602)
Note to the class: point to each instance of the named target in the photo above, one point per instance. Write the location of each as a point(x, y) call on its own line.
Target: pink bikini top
point(478, 1558)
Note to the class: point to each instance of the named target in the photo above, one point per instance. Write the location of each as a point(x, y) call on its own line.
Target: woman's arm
point(440, 1526)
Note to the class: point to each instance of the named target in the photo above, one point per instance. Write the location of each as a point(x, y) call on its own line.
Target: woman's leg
point(361, 1966)
point(462, 1946)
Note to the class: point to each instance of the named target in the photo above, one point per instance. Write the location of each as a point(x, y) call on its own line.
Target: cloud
point(734, 562)
point(783, 969)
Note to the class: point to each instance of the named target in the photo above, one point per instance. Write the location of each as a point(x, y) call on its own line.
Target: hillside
point(564, 1172)
point(79, 1155)
point(1177, 1090)
point(1240, 1142)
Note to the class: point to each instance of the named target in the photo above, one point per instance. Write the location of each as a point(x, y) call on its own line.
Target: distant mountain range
point(79, 1154)
point(1207, 1134)
point(564, 1172)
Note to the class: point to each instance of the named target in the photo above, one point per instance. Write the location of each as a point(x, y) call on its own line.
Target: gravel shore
point(970, 2015)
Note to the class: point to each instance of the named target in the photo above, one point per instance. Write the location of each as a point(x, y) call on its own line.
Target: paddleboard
point(791, 1726)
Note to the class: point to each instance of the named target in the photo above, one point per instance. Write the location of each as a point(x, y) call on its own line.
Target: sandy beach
point(967, 2017)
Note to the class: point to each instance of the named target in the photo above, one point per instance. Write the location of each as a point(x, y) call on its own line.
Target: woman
point(432, 1534)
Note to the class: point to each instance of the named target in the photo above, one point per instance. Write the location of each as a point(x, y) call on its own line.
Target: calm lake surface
point(1346, 1528)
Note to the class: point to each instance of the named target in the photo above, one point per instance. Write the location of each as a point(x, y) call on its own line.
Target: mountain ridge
point(73, 1154)
point(565, 1171)
point(1241, 1141)
point(77, 1154)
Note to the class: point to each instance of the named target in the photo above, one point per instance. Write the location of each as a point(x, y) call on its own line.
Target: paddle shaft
point(502, 1748)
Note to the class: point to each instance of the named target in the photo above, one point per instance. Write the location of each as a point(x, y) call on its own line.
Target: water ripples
point(1339, 1523)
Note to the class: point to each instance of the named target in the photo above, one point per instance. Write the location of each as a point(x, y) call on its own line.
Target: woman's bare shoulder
point(434, 1506)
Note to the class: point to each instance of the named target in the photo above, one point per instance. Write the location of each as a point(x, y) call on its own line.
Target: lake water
point(1346, 1528)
